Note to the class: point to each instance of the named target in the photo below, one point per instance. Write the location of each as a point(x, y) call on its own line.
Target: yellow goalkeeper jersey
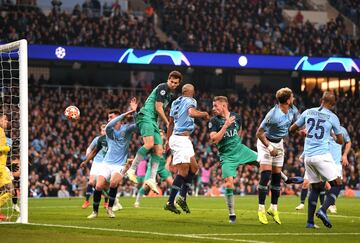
point(4, 148)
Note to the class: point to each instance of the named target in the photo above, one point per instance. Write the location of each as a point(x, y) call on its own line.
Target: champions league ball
point(72, 113)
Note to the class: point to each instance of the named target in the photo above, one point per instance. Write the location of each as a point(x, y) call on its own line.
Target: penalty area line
point(190, 236)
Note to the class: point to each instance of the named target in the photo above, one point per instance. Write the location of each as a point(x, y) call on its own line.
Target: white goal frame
point(21, 45)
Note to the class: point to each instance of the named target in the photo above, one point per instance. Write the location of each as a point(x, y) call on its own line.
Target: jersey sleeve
point(172, 110)
point(92, 145)
point(191, 103)
point(99, 143)
point(213, 125)
point(301, 120)
point(161, 93)
point(346, 136)
point(131, 128)
point(335, 124)
point(267, 120)
point(296, 113)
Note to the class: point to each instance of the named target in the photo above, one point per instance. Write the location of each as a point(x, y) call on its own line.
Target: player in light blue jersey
point(97, 157)
point(319, 164)
point(182, 114)
point(118, 136)
point(270, 148)
point(340, 158)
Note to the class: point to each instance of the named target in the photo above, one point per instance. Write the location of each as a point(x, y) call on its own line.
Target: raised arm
point(194, 113)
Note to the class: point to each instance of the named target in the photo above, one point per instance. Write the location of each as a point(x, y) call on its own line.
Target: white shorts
point(339, 168)
point(182, 149)
point(320, 168)
point(108, 170)
point(264, 156)
point(95, 169)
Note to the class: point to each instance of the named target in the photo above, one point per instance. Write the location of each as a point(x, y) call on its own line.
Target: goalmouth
point(14, 104)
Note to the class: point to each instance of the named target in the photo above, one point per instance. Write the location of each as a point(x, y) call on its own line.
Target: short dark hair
point(283, 94)
point(175, 74)
point(221, 99)
point(114, 111)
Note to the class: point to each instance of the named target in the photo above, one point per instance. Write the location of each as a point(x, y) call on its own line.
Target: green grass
point(208, 222)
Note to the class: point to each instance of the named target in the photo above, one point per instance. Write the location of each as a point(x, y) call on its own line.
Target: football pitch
point(63, 220)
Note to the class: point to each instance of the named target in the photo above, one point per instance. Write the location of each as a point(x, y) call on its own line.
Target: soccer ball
point(72, 113)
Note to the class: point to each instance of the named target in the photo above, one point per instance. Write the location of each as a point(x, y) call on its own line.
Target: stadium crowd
point(350, 8)
point(254, 27)
point(57, 146)
point(249, 27)
point(117, 28)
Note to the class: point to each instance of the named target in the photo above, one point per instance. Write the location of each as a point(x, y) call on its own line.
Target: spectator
point(63, 193)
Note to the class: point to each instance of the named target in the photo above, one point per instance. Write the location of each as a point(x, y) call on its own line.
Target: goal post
point(14, 104)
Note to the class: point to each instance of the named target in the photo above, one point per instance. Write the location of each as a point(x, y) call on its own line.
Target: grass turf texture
point(208, 222)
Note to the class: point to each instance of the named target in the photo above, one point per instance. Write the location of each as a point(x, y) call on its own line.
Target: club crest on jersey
point(210, 125)
point(162, 92)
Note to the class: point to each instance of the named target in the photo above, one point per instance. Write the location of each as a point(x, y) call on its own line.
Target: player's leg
point(89, 190)
point(5, 185)
point(156, 158)
point(100, 183)
point(275, 193)
point(265, 176)
point(114, 183)
point(303, 194)
point(327, 169)
point(312, 174)
point(147, 132)
point(181, 201)
point(144, 189)
point(228, 172)
point(183, 169)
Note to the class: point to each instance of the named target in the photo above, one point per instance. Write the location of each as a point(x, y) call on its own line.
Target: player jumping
point(118, 136)
point(146, 121)
point(182, 114)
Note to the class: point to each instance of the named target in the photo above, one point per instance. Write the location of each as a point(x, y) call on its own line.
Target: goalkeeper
point(5, 177)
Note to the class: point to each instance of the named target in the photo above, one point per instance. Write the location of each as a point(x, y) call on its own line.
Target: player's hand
point(274, 153)
point(303, 132)
point(133, 104)
point(206, 116)
point(167, 147)
point(83, 165)
point(229, 121)
point(345, 161)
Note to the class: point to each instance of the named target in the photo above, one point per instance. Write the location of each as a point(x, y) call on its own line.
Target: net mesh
point(10, 192)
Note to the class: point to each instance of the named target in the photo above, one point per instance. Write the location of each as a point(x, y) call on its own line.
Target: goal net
point(14, 132)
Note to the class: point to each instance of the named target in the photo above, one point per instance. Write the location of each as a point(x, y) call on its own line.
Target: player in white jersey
point(270, 148)
point(118, 136)
point(182, 113)
point(319, 164)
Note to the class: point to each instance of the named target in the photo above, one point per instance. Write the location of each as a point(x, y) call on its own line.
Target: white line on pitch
point(285, 233)
point(191, 236)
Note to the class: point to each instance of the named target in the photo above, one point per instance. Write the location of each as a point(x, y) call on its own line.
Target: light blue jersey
point(318, 121)
point(99, 157)
point(335, 148)
point(179, 111)
point(9, 142)
point(118, 141)
point(276, 123)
